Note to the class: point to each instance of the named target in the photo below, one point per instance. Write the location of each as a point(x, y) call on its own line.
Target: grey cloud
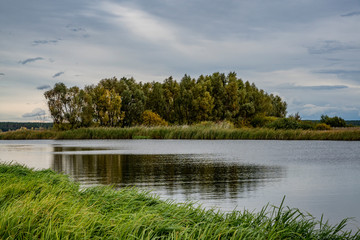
point(316, 88)
point(75, 28)
point(331, 46)
point(324, 87)
point(34, 113)
point(29, 60)
point(78, 30)
point(346, 74)
point(351, 14)
point(2, 74)
point(43, 42)
point(58, 74)
point(43, 87)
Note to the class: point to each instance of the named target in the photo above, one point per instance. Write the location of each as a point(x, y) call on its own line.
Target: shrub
point(153, 119)
point(284, 123)
point(289, 123)
point(333, 121)
point(261, 121)
point(322, 126)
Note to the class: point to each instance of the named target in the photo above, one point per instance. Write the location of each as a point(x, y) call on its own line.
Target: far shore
point(186, 132)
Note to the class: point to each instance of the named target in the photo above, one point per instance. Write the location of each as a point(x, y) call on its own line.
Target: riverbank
point(186, 132)
point(47, 205)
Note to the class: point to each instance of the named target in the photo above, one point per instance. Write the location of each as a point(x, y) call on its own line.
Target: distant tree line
point(10, 126)
point(124, 102)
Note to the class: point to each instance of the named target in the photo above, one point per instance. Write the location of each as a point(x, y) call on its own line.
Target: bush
point(289, 123)
point(322, 126)
point(151, 119)
point(284, 123)
point(261, 121)
point(333, 121)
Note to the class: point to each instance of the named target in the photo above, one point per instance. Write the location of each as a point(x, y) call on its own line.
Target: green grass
point(47, 205)
point(187, 132)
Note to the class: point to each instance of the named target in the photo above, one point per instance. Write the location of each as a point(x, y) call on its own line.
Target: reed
point(46, 205)
point(210, 131)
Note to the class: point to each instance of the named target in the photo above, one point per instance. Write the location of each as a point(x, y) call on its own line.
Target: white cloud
point(140, 23)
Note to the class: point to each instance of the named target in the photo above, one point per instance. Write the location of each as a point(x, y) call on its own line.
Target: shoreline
point(186, 132)
point(53, 206)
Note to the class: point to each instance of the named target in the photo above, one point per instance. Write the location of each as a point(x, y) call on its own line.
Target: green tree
point(218, 82)
point(185, 100)
point(65, 106)
point(278, 106)
point(333, 121)
point(87, 109)
point(171, 90)
point(232, 97)
point(107, 106)
point(55, 101)
point(156, 100)
point(202, 103)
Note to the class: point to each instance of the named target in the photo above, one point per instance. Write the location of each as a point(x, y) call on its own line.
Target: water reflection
point(185, 174)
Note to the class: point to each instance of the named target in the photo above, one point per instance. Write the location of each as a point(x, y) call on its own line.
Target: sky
point(306, 51)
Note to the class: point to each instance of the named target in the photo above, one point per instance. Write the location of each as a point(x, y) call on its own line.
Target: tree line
point(10, 126)
point(124, 102)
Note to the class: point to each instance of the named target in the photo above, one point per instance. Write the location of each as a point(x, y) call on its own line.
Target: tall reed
point(187, 132)
point(46, 205)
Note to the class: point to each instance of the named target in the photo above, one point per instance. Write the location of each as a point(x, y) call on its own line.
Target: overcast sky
point(306, 51)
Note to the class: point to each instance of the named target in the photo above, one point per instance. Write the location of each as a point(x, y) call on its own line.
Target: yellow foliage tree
point(153, 119)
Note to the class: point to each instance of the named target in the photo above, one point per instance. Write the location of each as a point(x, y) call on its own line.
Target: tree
point(171, 91)
point(218, 82)
point(185, 100)
point(155, 99)
point(151, 119)
point(73, 107)
point(113, 102)
point(232, 98)
point(202, 103)
point(64, 105)
point(107, 106)
point(333, 121)
point(278, 106)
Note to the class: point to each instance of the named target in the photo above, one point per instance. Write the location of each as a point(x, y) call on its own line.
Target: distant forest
point(9, 126)
point(124, 102)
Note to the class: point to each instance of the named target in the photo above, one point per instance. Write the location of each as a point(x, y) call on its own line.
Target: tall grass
point(46, 205)
point(187, 132)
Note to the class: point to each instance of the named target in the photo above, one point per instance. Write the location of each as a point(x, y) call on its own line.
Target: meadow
point(200, 131)
point(46, 205)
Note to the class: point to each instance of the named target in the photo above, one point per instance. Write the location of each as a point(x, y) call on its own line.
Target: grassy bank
point(46, 205)
point(187, 132)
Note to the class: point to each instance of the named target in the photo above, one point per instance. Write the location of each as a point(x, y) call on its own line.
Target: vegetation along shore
point(47, 205)
point(200, 131)
point(215, 106)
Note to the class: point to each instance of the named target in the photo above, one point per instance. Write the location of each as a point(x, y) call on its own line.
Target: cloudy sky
point(306, 51)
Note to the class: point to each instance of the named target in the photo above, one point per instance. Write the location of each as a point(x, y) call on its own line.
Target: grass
point(47, 205)
point(187, 132)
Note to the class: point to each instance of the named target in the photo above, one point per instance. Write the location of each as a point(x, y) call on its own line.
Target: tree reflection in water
point(188, 174)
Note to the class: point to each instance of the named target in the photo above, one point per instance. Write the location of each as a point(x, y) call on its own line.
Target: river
point(319, 177)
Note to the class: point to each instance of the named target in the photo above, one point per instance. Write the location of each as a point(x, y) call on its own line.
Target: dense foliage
point(46, 205)
point(333, 121)
point(121, 103)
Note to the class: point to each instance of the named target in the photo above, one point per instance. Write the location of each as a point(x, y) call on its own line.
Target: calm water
point(315, 176)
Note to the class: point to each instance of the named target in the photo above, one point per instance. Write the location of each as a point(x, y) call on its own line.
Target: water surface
point(315, 176)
